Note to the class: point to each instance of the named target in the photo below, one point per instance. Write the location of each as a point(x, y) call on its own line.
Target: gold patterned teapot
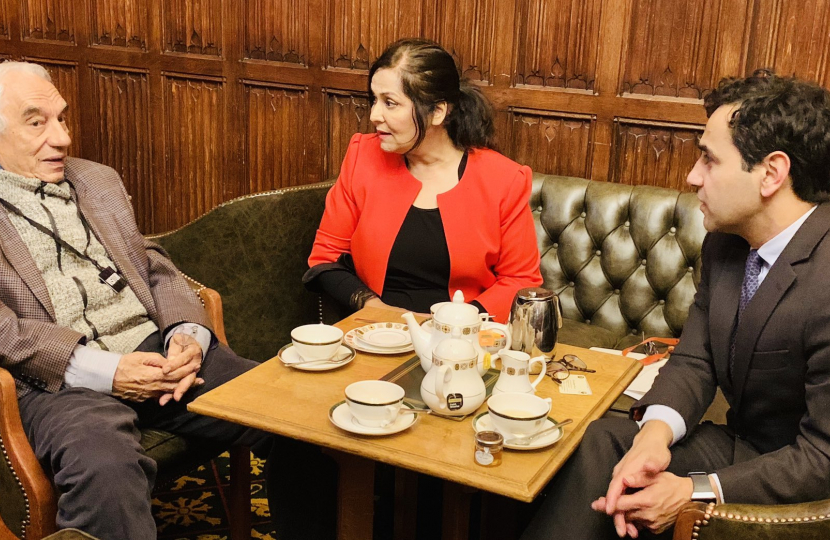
point(451, 316)
point(453, 385)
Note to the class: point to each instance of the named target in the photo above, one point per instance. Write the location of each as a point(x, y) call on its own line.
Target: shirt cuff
point(667, 415)
point(198, 332)
point(714, 477)
point(91, 368)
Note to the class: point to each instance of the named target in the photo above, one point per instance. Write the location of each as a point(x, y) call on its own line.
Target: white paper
point(643, 382)
point(575, 384)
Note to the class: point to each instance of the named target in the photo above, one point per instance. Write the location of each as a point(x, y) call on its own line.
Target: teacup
point(374, 403)
point(316, 342)
point(518, 414)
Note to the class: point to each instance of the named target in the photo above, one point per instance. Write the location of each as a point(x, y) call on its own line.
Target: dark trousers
point(565, 511)
point(90, 443)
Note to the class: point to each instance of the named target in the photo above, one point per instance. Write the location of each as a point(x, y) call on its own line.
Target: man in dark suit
point(97, 326)
point(759, 329)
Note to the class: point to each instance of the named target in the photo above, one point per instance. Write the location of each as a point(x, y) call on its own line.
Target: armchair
point(803, 521)
point(28, 504)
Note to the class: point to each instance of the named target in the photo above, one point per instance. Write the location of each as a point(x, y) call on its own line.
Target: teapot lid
point(457, 312)
point(455, 349)
point(534, 293)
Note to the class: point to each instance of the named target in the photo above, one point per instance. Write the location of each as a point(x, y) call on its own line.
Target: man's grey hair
point(18, 67)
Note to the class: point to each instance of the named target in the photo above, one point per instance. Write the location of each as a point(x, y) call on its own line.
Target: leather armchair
point(806, 521)
point(254, 250)
point(28, 503)
point(624, 260)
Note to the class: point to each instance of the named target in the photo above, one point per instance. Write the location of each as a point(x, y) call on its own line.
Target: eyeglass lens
point(575, 363)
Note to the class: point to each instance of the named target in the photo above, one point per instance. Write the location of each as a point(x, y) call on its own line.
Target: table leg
point(406, 504)
point(456, 522)
point(499, 517)
point(239, 493)
point(355, 496)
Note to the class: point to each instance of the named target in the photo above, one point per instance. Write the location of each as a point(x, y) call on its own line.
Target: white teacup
point(374, 403)
point(518, 414)
point(316, 341)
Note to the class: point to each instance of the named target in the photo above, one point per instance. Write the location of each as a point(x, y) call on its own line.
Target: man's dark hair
point(783, 114)
point(429, 76)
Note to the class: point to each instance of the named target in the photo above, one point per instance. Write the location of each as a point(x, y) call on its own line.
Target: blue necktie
point(748, 289)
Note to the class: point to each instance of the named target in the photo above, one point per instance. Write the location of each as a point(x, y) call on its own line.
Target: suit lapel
point(727, 291)
point(18, 255)
point(780, 278)
point(103, 225)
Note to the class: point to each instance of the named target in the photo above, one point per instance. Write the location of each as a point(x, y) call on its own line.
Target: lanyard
point(107, 275)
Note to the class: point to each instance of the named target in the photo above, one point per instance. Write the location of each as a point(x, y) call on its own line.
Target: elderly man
point(759, 329)
point(98, 328)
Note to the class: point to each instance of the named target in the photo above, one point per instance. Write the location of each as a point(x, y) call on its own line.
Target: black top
point(418, 271)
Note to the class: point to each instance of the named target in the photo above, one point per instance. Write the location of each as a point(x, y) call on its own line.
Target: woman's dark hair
point(780, 114)
point(429, 76)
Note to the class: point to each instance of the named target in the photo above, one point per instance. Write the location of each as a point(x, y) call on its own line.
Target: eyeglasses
point(561, 369)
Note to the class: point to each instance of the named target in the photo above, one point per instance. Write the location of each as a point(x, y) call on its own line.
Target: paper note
point(575, 384)
point(642, 383)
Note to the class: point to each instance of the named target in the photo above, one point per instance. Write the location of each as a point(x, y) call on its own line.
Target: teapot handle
point(440, 379)
point(488, 325)
point(542, 372)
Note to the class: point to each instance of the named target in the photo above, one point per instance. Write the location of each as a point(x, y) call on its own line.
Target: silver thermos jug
point(535, 320)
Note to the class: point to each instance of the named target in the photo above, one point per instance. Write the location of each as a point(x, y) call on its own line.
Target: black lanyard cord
point(54, 235)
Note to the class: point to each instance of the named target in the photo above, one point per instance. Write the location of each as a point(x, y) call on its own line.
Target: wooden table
point(295, 404)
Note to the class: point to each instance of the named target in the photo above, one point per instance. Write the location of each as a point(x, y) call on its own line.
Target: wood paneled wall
point(199, 101)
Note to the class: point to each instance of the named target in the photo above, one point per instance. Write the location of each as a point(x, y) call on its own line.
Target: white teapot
point(447, 317)
point(453, 385)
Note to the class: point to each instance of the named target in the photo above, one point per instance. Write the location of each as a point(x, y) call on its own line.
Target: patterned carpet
point(194, 506)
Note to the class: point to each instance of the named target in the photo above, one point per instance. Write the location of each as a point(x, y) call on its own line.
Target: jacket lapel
point(18, 255)
point(727, 291)
point(780, 278)
point(103, 225)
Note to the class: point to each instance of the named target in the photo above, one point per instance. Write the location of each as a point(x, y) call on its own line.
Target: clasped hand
point(641, 494)
point(141, 376)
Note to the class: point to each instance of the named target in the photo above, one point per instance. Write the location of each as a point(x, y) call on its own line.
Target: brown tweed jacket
point(35, 349)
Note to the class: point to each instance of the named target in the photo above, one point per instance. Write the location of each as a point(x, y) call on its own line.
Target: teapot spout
point(420, 337)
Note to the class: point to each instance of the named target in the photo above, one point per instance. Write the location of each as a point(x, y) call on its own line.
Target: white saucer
point(385, 336)
point(356, 338)
point(341, 417)
point(482, 423)
point(289, 356)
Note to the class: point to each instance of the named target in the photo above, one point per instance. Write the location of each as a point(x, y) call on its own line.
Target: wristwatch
point(702, 488)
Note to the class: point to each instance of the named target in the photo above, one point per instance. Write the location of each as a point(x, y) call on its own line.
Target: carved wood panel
point(276, 121)
point(48, 21)
point(791, 37)
point(124, 133)
point(5, 31)
point(276, 30)
point(195, 149)
point(654, 155)
point(551, 143)
point(65, 78)
point(558, 43)
point(465, 28)
point(359, 30)
point(119, 23)
point(346, 114)
point(193, 26)
point(672, 47)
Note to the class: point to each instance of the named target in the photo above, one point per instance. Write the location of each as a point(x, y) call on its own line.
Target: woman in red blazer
point(424, 206)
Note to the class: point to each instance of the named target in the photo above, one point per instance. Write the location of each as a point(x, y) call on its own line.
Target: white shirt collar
point(773, 248)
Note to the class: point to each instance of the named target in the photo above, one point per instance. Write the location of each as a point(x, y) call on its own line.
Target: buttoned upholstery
point(624, 260)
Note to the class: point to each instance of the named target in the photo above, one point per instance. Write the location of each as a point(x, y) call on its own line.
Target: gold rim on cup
point(519, 418)
point(317, 342)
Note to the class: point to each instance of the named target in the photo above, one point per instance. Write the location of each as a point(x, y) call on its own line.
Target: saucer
point(289, 356)
point(356, 338)
point(384, 335)
point(482, 423)
point(341, 417)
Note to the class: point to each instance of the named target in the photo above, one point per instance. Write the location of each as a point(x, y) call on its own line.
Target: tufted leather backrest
point(625, 258)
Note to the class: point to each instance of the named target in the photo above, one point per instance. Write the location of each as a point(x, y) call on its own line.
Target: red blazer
point(487, 222)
